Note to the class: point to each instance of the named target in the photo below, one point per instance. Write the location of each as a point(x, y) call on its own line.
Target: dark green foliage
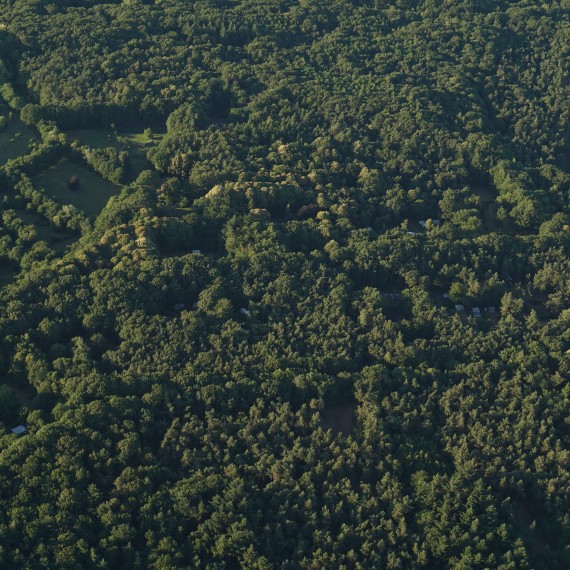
point(251, 358)
point(9, 405)
point(109, 162)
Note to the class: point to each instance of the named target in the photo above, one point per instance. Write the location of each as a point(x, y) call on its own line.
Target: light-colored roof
point(392, 295)
point(19, 430)
point(459, 308)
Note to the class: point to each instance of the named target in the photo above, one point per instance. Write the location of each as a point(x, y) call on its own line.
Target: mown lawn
point(91, 197)
point(14, 140)
point(135, 143)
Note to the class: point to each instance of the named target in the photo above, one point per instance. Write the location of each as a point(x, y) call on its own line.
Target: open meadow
point(14, 140)
point(91, 196)
point(135, 143)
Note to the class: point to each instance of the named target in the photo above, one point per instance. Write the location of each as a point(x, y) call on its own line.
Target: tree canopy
point(323, 320)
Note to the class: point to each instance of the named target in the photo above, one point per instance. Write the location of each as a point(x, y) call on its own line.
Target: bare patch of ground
point(340, 418)
point(537, 541)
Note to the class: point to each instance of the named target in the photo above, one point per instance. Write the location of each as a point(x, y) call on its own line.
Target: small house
point(393, 295)
point(244, 311)
point(196, 251)
point(459, 308)
point(446, 295)
point(19, 430)
point(423, 223)
point(178, 306)
point(476, 312)
point(492, 310)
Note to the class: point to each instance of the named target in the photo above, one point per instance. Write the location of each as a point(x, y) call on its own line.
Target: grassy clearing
point(15, 140)
point(91, 197)
point(340, 418)
point(135, 143)
point(488, 207)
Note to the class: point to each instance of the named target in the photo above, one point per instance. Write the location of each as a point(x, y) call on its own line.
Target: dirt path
point(340, 418)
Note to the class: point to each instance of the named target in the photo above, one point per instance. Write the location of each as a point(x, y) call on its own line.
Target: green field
point(91, 197)
point(135, 143)
point(14, 140)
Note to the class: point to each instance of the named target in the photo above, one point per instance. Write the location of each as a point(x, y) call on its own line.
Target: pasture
point(135, 143)
point(93, 193)
point(14, 140)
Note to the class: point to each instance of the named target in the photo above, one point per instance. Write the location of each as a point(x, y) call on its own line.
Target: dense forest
point(285, 284)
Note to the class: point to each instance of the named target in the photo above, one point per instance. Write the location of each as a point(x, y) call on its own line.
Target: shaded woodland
point(309, 303)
